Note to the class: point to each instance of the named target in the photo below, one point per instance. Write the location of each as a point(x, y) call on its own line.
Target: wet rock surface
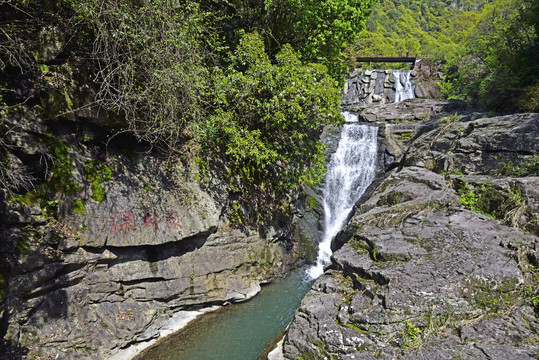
point(418, 274)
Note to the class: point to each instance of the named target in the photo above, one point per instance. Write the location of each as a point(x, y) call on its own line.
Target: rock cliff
point(113, 240)
point(440, 259)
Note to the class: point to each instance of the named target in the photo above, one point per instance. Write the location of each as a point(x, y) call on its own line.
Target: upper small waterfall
point(350, 171)
point(404, 87)
point(365, 88)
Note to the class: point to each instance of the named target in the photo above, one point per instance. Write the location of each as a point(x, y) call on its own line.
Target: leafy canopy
point(266, 115)
point(499, 63)
point(489, 49)
point(318, 29)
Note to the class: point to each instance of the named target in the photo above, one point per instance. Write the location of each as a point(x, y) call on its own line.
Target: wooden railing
point(393, 58)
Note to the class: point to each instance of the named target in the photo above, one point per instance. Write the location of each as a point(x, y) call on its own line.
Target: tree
point(152, 63)
point(500, 57)
point(265, 116)
point(318, 29)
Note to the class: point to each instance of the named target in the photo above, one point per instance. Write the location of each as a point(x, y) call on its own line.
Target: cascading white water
point(404, 88)
point(350, 171)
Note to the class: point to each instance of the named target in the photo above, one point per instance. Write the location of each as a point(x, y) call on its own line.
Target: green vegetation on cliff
point(248, 84)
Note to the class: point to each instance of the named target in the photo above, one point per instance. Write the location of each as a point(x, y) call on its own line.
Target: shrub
point(267, 116)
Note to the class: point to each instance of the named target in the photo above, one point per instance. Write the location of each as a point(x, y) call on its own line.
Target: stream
point(246, 331)
point(240, 331)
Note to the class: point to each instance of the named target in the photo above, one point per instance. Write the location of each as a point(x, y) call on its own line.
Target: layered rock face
point(417, 273)
point(131, 240)
point(365, 88)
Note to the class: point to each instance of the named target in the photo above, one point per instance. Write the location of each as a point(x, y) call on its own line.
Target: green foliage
point(79, 206)
point(490, 49)
point(243, 83)
point(529, 168)
point(58, 180)
point(151, 59)
point(236, 215)
point(61, 179)
point(499, 58)
point(531, 291)
point(469, 198)
point(390, 199)
point(493, 297)
point(318, 29)
point(311, 202)
point(508, 205)
point(411, 337)
point(429, 28)
point(267, 116)
point(50, 208)
point(529, 100)
point(404, 136)
point(97, 172)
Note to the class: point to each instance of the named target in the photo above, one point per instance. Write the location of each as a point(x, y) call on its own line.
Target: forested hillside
point(488, 49)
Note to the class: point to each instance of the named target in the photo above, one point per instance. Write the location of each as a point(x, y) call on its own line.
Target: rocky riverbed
point(440, 259)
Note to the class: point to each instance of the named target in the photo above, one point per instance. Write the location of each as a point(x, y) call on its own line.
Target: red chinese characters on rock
point(149, 221)
point(173, 220)
point(124, 222)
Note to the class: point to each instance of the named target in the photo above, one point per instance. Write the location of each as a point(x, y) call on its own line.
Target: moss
point(97, 172)
point(236, 215)
point(79, 207)
point(61, 179)
point(362, 244)
point(4, 273)
point(404, 136)
point(508, 205)
point(392, 198)
point(22, 245)
point(305, 355)
point(492, 297)
point(310, 202)
point(202, 174)
point(357, 328)
point(530, 167)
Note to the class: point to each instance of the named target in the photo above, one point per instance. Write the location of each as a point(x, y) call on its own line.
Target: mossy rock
point(97, 172)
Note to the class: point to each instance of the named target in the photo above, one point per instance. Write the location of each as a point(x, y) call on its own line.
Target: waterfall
point(404, 88)
point(350, 171)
